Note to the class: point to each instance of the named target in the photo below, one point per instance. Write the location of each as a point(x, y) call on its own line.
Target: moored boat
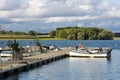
point(92, 52)
point(9, 54)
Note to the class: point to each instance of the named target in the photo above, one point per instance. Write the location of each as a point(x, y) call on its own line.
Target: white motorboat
point(9, 54)
point(92, 52)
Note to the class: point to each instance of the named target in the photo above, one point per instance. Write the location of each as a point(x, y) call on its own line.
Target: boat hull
point(72, 54)
point(89, 54)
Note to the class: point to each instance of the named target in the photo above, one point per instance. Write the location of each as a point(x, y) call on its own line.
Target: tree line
point(117, 34)
point(31, 33)
point(81, 33)
point(70, 33)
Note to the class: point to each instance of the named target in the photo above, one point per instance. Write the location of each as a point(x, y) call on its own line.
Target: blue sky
point(47, 15)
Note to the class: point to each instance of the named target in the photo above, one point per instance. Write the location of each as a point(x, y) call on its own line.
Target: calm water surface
point(115, 44)
point(75, 68)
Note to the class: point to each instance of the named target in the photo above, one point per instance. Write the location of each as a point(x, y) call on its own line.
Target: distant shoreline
point(6, 38)
point(28, 37)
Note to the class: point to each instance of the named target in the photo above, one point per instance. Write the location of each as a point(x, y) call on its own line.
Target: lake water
point(77, 68)
point(114, 44)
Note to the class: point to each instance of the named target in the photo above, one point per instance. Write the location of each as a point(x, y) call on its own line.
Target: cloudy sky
point(47, 15)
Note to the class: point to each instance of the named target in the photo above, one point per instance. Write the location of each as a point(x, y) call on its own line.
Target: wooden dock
point(12, 67)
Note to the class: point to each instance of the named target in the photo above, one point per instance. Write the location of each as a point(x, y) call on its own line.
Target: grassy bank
point(116, 38)
point(41, 37)
point(25, 37)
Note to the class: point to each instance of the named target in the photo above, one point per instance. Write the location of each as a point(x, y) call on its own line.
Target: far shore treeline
point(81, 33)
point(63, 33)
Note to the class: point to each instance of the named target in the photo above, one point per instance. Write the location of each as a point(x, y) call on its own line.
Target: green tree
point(19, 33)
point(14, 46)
point(61, 34)
point(105, 35)
point(71, 37)
point(52, 33)
point(80, 35)
point(15, 49)
point(91, 33)
point(2, 32)
point(37, 43)
point(32, 33)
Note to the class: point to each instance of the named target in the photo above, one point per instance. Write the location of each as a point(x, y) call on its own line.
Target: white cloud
point(47, 13)
point(85, 7)
point(69, 19)
point(114, 12)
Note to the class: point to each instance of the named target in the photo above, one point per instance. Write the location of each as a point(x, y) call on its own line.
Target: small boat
point(92, 52)
point(6, 53)
point(9, 54)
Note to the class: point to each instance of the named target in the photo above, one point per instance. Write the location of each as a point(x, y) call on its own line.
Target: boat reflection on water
point(109, 58)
